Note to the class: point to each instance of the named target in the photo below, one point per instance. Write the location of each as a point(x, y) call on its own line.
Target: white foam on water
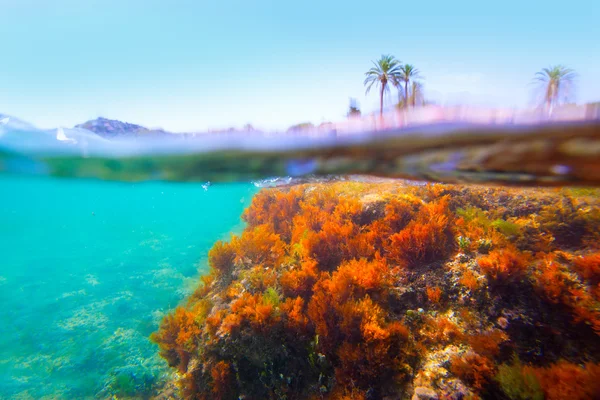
point(60, 135)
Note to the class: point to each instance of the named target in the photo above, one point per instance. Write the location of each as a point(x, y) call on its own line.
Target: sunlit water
point(88, 269)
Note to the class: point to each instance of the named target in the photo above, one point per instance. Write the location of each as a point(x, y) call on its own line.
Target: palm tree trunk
point(406, 94)
point(551, 97)
point(381, 101)
point(399, 95)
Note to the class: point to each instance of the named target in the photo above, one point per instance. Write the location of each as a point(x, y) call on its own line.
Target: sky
point(197, 65)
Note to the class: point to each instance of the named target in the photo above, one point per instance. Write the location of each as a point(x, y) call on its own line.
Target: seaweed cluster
point(377, 291)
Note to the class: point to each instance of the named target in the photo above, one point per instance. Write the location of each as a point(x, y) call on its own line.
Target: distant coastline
point(396, 118)
point(390, 119)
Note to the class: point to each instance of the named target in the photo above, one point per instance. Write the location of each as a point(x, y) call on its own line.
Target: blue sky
point(194, 65)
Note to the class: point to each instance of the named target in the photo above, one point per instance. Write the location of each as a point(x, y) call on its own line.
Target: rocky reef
point(355, 290)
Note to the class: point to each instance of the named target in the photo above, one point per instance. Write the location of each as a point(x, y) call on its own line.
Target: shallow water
point(88, 270)
point(91, 266)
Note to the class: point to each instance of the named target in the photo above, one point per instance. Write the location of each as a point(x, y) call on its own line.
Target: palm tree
point(555, 81)
point(416, 94)
point(385, 71)
point(407, 73)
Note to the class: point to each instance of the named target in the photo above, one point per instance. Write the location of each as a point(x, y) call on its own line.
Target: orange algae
point(474, 369)
point(487, 343)
point(503, 265)
point(565, 380)
point(177, 337)
point(434, 294)
point(425, 239)
point(222, 379)
point(469, 280)
point(364, 291)
point(588, 267)
point(300, 280)
point(221, 257)
point(560, 380)
point(258, 246)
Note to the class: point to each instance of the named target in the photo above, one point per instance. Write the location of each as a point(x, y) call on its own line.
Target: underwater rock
point(424, 393)
point(357, 290)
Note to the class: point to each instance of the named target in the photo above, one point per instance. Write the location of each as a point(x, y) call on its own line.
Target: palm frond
point(385, 71)
point(369, 86)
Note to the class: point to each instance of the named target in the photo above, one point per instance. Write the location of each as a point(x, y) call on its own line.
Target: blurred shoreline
point(433, 114)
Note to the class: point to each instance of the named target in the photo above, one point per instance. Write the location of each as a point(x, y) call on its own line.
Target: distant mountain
point(10, 122)
point(110, 128)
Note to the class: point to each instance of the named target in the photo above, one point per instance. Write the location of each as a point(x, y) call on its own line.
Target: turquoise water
point(88, 269)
